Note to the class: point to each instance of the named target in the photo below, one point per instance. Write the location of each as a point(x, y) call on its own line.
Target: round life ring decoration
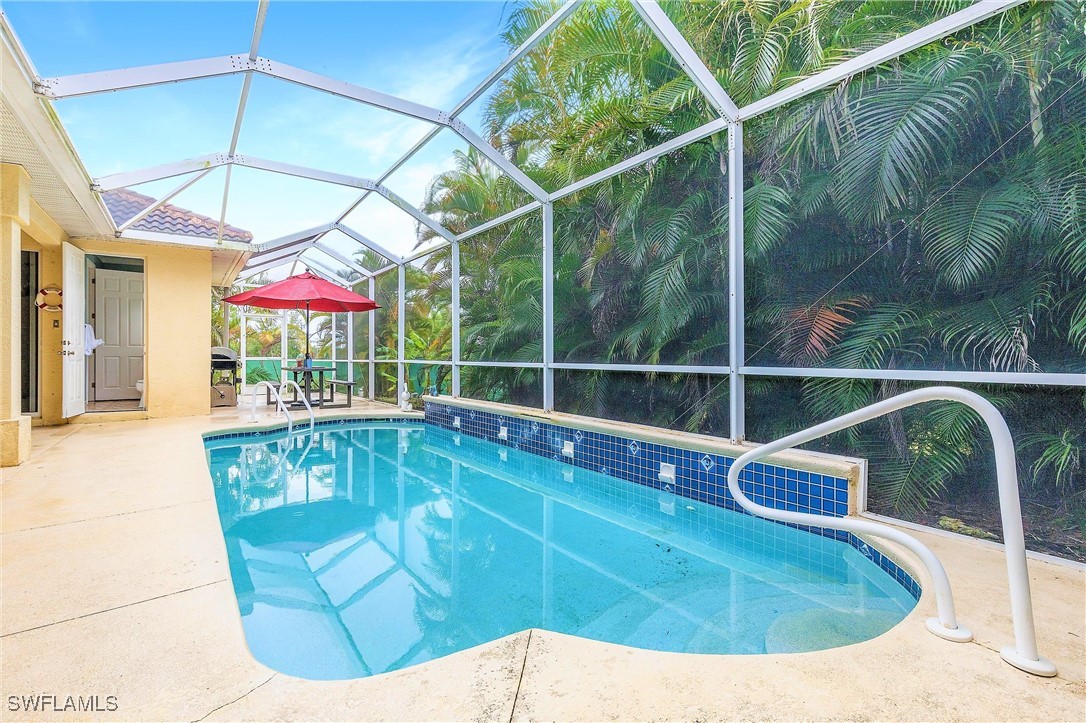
point(43, 300)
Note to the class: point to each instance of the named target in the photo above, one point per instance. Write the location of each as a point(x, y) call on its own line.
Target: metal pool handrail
point(1024, 654)
point(280, 405)
point(305, 400)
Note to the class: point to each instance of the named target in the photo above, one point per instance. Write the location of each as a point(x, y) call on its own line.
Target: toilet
point(143, 395)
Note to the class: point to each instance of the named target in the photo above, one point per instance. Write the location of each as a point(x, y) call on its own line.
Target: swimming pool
point(373, 546)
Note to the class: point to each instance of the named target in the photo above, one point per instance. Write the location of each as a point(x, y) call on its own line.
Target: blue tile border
point(700, 476)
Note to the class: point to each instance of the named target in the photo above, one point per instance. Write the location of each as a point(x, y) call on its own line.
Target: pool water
point(376, 546)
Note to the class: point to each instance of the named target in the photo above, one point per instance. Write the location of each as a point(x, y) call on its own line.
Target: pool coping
point(301, 423)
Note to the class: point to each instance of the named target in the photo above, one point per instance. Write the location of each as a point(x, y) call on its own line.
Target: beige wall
point(178, 304)
point(178, 283)
point(14, 216)
point(178, 299)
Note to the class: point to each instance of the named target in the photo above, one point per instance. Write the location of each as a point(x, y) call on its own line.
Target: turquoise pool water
point(371, 547)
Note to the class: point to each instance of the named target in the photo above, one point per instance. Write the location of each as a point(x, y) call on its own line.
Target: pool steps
point(1023, 654)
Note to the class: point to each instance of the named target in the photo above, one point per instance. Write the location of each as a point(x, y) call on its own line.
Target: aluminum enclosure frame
point(730, 118)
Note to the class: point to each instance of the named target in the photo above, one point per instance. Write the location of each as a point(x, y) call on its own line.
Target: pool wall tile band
point(698, 475)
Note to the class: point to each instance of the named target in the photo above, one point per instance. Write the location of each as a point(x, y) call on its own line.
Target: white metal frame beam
point(156, 173)
point(691, 62)
point(924, 375)
point(345, 260)
point(108, 81)
point(331, 275)
point(647, 368)
point(250, 271)
point(254, 46)
point(227, 159)
point(144, 76)
point(163, 201)
point(368, 243)
point(297, 237)
point(548, 307)
point(401, 307)
point(454, 284)
point(971, 15)
point(284, 252)
point(736, 303)
point(371, 342)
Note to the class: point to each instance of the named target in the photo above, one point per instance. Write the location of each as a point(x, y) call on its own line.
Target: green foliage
point(928, 214)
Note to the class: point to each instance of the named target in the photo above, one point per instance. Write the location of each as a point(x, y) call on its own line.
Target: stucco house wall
point(178, 317)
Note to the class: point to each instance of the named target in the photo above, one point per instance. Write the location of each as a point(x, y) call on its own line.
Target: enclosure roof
point(316, 141)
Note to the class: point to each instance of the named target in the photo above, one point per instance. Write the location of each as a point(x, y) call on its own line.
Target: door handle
point(66, 353)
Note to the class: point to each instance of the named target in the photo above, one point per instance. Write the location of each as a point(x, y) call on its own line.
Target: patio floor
point(115, 582)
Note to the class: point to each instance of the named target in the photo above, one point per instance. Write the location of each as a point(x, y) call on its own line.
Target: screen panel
point(758, 49)
point(427, 308)
point(641, 264)
point(690, 402)
point(927, 213)
point(509, 385)
point(596, 91)
point(933, 464)
point(386, 331)
point(384, 383)
point(501, 292)
point(429, 378)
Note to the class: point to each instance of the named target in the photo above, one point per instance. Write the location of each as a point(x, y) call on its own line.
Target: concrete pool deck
point(116, 583)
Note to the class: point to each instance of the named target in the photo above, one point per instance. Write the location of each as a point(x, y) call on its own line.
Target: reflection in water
point(377, 546)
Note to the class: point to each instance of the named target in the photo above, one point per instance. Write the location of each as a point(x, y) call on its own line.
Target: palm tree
point(926, 214)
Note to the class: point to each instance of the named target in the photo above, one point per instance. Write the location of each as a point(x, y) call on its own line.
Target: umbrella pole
point(307, 328)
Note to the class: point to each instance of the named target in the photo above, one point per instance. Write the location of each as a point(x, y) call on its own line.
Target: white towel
point(89, 342)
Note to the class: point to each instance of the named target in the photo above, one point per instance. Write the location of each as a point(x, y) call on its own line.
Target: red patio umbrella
point(303, 291)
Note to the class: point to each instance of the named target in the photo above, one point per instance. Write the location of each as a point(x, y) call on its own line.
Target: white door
point(118, 321)
point(73, 313)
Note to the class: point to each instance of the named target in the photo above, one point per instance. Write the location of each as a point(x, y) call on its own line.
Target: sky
point(433, 53)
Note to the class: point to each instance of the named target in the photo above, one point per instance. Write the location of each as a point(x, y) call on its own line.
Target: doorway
point(29, 331)
point(115, 333)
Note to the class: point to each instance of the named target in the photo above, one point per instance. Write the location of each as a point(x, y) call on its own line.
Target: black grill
point(224, 360)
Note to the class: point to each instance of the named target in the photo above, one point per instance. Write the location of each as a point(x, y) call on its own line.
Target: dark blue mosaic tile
point(698, 475)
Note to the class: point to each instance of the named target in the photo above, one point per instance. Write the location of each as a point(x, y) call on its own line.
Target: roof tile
point(124, 203)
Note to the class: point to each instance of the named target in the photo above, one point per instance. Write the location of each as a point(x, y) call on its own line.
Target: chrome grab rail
point(280, 406)
point(1024, 653)
point(305, 400)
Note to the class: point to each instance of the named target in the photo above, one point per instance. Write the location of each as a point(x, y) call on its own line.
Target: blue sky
point(429, 52)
